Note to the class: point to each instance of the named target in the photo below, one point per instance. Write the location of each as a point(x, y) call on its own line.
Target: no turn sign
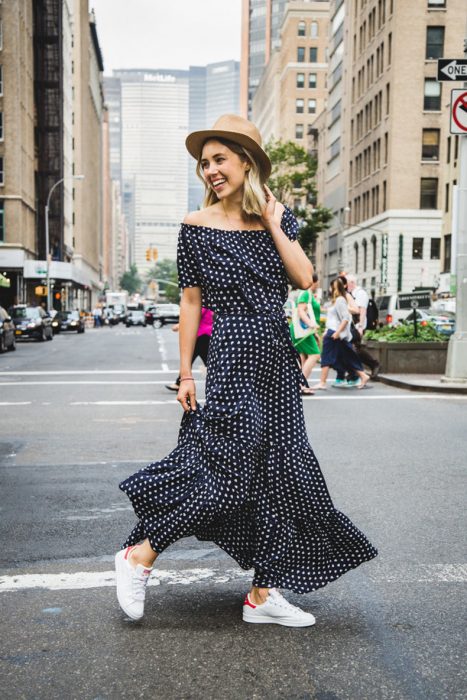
point(458, 112)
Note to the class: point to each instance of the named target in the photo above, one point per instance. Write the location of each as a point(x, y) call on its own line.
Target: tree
point(293, 178)
point(163, 272)
point(130, 280)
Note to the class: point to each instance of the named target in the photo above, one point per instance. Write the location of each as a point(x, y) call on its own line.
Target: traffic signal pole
point(456, 365)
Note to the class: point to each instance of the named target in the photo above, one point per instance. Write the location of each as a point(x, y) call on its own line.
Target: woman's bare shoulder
point(201, 217)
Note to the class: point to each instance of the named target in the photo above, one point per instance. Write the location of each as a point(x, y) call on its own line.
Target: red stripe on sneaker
point(247, 601)
point(128, 550)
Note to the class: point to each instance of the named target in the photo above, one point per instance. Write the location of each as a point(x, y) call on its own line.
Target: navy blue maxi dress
point(243, 474)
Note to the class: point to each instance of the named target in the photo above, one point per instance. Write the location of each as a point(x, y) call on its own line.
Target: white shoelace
point(281, 602)
point(139, 584)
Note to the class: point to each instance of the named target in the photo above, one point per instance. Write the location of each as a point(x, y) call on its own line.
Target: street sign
point(452, 69)
point(414, 304)
point(458, 123)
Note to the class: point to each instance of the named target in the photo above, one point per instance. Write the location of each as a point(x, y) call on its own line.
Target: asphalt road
point(79, 414)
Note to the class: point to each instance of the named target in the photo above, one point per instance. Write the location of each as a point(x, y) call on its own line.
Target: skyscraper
point(154, 161)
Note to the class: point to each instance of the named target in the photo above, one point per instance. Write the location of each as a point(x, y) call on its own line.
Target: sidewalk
point(423, 382)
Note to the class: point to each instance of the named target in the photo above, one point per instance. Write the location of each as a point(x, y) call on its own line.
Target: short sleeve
point(188, 274)
point(304, 297)
point(289, 224)
point(342, 310)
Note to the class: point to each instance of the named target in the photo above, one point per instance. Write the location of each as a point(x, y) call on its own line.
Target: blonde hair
point(254, 199)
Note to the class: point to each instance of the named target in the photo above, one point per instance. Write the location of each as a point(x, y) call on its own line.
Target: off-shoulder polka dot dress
point(243, 473)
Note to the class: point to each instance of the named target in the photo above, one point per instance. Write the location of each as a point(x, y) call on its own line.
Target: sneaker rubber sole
point(277, 621)
point(120, 565)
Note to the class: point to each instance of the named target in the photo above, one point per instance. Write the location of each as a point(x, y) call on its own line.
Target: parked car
point(31, 322)
point(69, 321)
point(165, 313)
point(393, 308)
point(443, 321)
point(119, 313)
point(136, 317)
point(7, 331)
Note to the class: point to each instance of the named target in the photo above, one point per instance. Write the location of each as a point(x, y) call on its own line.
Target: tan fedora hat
point(233, 128)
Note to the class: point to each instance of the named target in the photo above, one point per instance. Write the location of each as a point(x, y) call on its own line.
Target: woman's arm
point(302, 309)
point(337, 334)
point(297, 266)
point(190, 314)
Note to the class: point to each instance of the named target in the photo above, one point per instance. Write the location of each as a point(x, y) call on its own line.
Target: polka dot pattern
point(243, 473)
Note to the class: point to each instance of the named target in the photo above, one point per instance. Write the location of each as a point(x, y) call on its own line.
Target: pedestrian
point(338, 352)
point(308, 345)
point(202, 342)
point(243, 474)
point(97, 313)
point(351, 379)
point(361, 301)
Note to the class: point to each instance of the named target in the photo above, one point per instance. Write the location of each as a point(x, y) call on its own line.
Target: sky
point(167, 33)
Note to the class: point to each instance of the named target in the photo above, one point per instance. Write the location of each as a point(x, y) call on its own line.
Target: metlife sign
point(450, 69)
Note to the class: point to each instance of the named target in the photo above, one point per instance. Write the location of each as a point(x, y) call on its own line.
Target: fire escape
point(48, 121)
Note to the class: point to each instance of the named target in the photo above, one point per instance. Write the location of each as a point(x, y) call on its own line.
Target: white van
point(393, 308)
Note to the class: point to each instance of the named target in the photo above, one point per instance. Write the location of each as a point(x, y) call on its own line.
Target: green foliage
point(130, 280)
point(405, 334)
point(166, 271)
point(294, 177)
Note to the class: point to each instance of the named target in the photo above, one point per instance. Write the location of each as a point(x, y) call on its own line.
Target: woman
point(201, 348)
point(337, 342)
point(308, 346)
point(243, 474)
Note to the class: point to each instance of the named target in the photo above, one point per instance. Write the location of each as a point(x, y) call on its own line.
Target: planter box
point(409, 358)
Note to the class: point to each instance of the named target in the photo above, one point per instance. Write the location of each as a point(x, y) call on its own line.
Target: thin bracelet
point(182, 379)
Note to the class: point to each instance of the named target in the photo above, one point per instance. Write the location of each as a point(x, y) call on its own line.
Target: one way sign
point(452, 69)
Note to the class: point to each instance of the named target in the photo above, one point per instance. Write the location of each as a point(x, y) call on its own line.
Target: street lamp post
point(47, 253)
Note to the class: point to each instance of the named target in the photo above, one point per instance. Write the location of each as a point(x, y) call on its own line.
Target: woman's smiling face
point(223, 170)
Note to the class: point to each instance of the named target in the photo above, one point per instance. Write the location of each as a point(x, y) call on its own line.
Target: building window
point(300, 54)
point(314, 30)
point(446, 198)
point(301, 29)
point(430, 144)
point(447, 253)
point(298, 131)
point(429, 193)
point(373, 252)
point(2, 174)
point(448, 150)
point(1, 126)
point(313, 54)
point(432, 96)
point(1, 81)
point(388, 98)
point(1, 34)
point(2, 221)
point(312, 80)
point(300, 80)
point(365, 251)
point(435, 248)
point(417, 248)
point(434, 42)
point(436, 3)
point(456, 147)
point(311, 106)
point(356, 257)
point(299, 106)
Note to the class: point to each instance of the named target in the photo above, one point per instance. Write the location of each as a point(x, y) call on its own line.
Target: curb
point(434, 388)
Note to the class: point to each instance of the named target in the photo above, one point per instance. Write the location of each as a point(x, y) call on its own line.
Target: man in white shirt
point(361, 302)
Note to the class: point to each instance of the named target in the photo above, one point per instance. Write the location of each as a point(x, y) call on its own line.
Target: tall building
point(18, 241)
point(292, 90)
point(154, 161)
point(394, 117)
point(213, 90)
point(113, 100)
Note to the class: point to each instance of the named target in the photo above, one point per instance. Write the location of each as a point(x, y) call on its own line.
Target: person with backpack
point(361, 322)
point(304, 330)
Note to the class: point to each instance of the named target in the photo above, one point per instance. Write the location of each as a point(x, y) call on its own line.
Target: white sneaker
point(276, 610)
point(131, 584)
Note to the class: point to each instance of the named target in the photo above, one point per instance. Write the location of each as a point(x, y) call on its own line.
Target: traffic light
point(58, 296)
point(155, 254)
point(148, 254)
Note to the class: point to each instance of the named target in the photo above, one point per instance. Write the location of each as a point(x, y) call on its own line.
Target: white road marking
point(101, 579)
point(15, 403)
point(32, 373)
point(86, 382)
point(423, 573)
point(127, 403)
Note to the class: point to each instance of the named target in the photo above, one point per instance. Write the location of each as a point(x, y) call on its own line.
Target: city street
point(80, 413)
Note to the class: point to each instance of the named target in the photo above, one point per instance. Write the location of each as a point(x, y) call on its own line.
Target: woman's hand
point(335, 335)
point(268, 213)
point(187, 394)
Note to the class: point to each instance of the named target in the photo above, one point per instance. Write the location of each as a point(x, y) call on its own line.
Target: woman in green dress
point(308, 347)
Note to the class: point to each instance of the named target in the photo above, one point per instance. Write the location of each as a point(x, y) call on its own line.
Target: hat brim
point(196, 140)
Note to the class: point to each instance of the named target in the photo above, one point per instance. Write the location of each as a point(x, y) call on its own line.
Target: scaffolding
point(48, 93)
